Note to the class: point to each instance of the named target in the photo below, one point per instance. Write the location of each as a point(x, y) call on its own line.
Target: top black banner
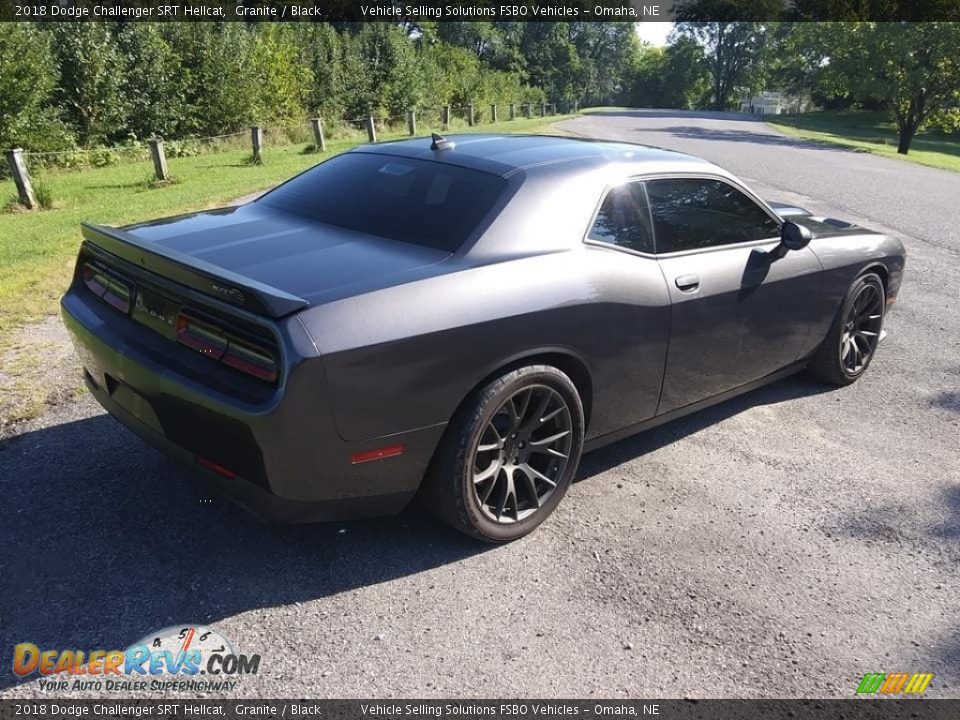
point(416, 11)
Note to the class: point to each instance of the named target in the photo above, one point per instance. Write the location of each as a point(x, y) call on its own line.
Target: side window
point(689, 214)
point(623, 219)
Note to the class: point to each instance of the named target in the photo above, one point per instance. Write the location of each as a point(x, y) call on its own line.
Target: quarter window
point(690, 214)
point(624, 220)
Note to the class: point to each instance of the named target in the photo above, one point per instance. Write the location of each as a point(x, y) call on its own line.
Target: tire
point(489, 450)
point(860, 322)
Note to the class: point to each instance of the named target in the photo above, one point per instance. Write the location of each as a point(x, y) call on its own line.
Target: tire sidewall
point(852, 294)
point(489, 403)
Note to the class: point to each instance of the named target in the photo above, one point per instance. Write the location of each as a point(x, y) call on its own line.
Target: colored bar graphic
point(871, 683)
point(894, 683)
point(918, 683)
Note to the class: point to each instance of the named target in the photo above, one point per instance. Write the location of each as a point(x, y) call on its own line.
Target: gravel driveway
point(782, 544)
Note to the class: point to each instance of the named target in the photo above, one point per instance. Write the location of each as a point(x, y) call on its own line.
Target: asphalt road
point(782, 544)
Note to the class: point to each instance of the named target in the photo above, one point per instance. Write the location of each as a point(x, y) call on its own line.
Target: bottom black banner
point(505, 709)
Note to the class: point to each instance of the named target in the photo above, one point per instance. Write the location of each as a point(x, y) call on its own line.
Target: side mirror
point(794, 236)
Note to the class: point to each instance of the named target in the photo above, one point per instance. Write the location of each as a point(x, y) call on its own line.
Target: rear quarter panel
point(406, 357)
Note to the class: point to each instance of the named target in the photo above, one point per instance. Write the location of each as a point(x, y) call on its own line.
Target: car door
point(634, 316)
point(741, 306)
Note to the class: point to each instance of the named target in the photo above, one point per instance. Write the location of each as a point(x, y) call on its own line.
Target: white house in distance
point(774, 102)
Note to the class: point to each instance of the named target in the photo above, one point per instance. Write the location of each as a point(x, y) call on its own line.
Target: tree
point(685, 79)
point(382, 71)
point(321, 52)
point(90, 90)
point(912, 68)
point(606, 53)
point(671, 77)
point(552, 61)
point(734, 35)
point(155, 97)
point(283, 83)
point(27, 82)
point(734, 55)
point(223, 91)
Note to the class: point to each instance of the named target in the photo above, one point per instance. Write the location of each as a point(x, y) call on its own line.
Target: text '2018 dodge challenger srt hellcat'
point(460, 319)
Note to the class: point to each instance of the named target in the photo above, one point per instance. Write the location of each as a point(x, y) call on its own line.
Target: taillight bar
point(109, 288)
point(217, 343)
point(200, 336)
point(250, 359)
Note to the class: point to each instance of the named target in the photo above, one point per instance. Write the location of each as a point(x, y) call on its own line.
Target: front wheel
point(851, 343)
point(509, 455)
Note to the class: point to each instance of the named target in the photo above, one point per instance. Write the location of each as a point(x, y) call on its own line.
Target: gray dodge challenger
point(460, 319)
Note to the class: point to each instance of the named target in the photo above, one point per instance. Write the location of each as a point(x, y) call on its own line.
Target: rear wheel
point(852, 341)
point(509, 455)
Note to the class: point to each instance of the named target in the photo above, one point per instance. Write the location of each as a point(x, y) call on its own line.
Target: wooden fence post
point(21, 179)
point(493, 113)
point(256, 139)
point(318, 138)
point(513, 111)
point(412, 122)
point(470, 116)
point(159, 159)
point(446, 116)
point(371, 129)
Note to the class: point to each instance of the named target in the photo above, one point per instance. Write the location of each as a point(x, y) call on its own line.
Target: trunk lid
point(272, 252)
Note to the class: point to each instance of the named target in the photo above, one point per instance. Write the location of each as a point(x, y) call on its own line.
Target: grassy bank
point(872, 132)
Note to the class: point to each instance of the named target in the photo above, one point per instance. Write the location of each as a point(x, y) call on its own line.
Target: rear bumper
point(283, 460)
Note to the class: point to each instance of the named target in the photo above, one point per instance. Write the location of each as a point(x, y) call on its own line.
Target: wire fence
point(314, 133)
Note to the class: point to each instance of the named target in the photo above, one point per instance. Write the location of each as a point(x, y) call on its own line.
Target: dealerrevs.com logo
point(180, 658)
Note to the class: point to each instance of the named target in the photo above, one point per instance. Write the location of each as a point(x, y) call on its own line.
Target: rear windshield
point(414, 201)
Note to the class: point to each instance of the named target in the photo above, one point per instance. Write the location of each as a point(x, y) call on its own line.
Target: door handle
point(688, 282)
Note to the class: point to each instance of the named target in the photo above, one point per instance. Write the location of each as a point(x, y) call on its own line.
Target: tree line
point(67, 85)
point(86, 84)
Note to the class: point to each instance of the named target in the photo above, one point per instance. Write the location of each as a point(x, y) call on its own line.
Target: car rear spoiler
point(193, 272)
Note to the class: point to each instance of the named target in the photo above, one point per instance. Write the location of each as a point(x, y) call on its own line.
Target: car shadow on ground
point(759, 134)
point(948, 401)
point(630, 448)
point(667, 114)
point(752, 136)
point(105, 540)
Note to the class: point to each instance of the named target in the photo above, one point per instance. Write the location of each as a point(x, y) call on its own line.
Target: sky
point(654, 33)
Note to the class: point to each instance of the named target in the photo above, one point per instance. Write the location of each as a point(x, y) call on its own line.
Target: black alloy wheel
point(508, 455)
point(522, 453)
point(851, 343)
point(861, 328)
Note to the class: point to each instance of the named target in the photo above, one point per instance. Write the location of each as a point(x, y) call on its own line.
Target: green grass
point(872, 132)
point(37, 248)
point(606, 108)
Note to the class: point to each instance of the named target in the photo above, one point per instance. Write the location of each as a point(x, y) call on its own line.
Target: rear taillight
point(240, 353)
point(201, 336)
point(250, 359)
point(95, 280)
point(109, 288)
